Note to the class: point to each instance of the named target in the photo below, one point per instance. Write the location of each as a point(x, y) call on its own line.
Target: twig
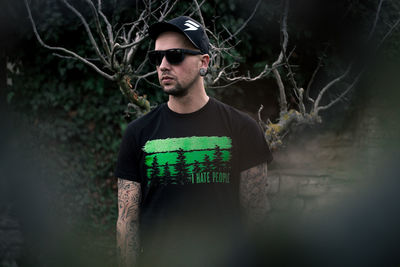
point(260, 121)
point(371, 33)
point(244, 24)
point(282, 102)
point(151, 83)
point(98, 27)
point(340, 96)
point(89, 32)
point(284, 34)
point(171, 8)
point(108, 24)
point(143, 77)
point(282, 94)
point(223, 86)
point(193, 10)
point(291, 78)
point(134, 25)
point(198, 9)
point(74, 58)
point(329, 85)
point(394, 26)
point(247, 78)
point(313, 76)
point(136, 42)
point(64, 50)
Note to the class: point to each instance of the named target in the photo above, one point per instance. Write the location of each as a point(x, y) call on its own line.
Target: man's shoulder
point(237, 115)
point(146, 120)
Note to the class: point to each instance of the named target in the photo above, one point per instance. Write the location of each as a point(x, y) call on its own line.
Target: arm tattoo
point(253, 193)
point(128, 243)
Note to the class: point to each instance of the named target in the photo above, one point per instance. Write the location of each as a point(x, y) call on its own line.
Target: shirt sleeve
point(253, 148)
point(128, 162)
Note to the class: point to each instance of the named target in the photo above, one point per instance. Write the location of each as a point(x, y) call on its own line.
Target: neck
point(193, 101)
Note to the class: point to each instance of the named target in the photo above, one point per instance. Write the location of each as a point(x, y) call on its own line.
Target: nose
point(164, 64)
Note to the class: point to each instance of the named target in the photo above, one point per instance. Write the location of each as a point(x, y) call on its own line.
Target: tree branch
point(144, 76)
point(172, 6)
point(223, 86)
point(99, 30)
point(224, 75)
point(260, 121)
point(313, 76)
point(284, 34)
point(74, 58)
point(282, 94)
point(340, 96)
point(392, 28)
point(244, 24)
point(329, 85)
point(64, 50)
point(371, 33)
point(199, 13)
point(291, 78)
point(318, 108)
point(108, 24)
point(89, 32)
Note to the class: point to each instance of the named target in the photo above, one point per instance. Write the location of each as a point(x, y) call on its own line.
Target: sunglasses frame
point(156, 56)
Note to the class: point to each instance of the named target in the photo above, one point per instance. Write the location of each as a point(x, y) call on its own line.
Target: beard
point(179, 90)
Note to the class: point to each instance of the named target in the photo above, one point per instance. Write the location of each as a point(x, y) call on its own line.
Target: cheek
point(158, 72)
point(190, 69)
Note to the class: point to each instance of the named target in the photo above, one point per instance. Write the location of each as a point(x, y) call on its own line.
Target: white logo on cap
point(191, 26)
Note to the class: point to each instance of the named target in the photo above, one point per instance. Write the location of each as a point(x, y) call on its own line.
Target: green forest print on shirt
point(188, 160)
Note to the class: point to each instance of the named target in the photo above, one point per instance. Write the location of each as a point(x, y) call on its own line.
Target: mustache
point(167, 74)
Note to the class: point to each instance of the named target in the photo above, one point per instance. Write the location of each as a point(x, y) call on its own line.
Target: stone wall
point(318, 169)
point(311, 175)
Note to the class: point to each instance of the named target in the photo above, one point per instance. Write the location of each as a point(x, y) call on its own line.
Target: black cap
point(185, 25)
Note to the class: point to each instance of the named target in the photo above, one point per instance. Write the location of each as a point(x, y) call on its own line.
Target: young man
point(188, 169)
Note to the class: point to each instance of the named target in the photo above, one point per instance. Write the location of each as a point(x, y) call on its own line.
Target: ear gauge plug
point(203, 72)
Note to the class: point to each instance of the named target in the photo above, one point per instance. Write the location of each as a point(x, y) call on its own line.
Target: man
point(185, 168)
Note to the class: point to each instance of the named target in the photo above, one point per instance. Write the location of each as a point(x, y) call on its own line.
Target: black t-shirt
point(189, 167)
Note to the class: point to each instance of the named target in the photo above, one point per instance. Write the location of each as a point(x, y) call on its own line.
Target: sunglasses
point(174, 56)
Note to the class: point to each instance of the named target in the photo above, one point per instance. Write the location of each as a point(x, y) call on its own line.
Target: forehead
point(168, 40)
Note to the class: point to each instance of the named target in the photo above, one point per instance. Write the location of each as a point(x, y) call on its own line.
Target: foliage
point(84, 115)
point(74, 109)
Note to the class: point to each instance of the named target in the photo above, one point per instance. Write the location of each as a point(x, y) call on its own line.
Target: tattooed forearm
point(128, 242)
point(253, 193)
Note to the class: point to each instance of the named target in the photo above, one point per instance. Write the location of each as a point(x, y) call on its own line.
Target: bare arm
point(253, 194)
point(128, 242)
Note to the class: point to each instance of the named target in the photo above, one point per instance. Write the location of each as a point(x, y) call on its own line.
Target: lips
point(167, 79)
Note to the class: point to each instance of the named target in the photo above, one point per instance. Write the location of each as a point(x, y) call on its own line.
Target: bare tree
point(297, 116)
point(117, 47)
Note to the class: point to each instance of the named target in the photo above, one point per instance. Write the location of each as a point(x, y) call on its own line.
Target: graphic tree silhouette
point(207, 164)
point(196, 168)
point(218, 161)
point(182, 170)
point(167, 174)
point(154, 172)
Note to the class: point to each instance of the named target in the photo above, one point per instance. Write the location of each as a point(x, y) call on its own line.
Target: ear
point(205, 60)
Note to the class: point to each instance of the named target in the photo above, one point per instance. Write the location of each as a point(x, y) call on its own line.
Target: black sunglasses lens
point(174, 56)
point(155, 57)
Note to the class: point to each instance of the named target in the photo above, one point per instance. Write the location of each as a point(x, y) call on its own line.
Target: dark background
point(62, 123)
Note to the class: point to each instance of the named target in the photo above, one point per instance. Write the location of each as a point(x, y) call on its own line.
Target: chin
point(178, 92)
